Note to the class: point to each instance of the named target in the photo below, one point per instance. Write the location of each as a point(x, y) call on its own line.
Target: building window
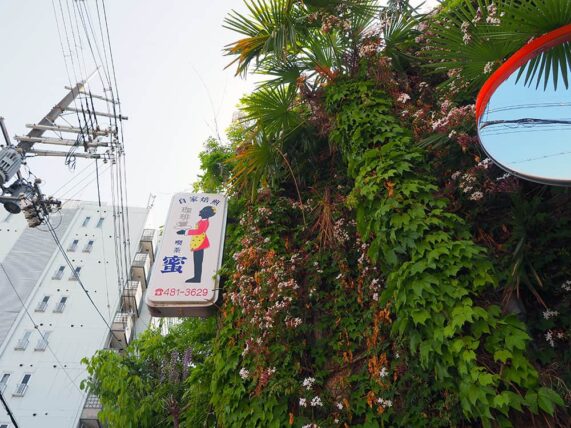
point(100, 222)
point(3, 425)
point(88, 247)
point(23, 342)
point(59, 273)
point(73, 246)
point(23, 386)
point(86, 221)
point(61, 305)
point(8, 217)
point(74, 275)
point(4, 382)
point(43, 304)
point(43, 342)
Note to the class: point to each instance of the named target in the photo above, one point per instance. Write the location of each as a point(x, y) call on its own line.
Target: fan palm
point(284, 40)
point(472, 38)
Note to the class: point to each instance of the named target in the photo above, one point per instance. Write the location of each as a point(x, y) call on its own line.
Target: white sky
point(172, 84)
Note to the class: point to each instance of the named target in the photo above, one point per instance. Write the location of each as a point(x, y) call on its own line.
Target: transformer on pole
point(17, 194)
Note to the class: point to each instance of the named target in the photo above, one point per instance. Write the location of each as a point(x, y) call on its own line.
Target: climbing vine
point(435, 271)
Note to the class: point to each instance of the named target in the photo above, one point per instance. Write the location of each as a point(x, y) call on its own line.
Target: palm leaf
point(255, 163)
point(490, 45)
point(270, 107)
point(273, 26)
point(282, 71)
point(322, 56)
point(399, 33)
point(553, 62)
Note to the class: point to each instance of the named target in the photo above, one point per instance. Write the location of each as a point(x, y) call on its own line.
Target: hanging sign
point(184, 280)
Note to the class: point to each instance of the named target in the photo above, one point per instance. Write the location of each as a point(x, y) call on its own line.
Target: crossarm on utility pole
point(54, 113)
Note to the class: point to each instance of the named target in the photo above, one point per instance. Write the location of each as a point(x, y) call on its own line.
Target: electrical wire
point(71, 198)
point(37, 327)
point(526, 121)
point(76, 275)
point(75, 177)
point(120, 115)
point(103, 59)
point(10, 414)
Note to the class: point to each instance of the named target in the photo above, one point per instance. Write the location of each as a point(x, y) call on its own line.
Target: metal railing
point(92, 402)
point(22, 344)
point(21, 390)
point(41, 345)
point(148, 235)
point(132, 285)
point(42, 306)
point(122, 318)
point(58, 274)
point(59, 308)
point(140, 260)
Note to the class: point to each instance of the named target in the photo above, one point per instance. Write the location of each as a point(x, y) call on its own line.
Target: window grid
point(88, 247)
point(43, 342)
point(59, 273)
point(23, 342)
point(42, 306)
point(61, 305)
point(22, 386)
point(4, 382)
point(73, 246)
point(73, 276)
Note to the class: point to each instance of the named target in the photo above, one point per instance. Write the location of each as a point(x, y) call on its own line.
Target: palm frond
point(547, 67)
point(281, 71)
point(273, 26)
point(472, 38)
point(322, 56)
point(399, 33)
point(254, 165)
point(270, 107)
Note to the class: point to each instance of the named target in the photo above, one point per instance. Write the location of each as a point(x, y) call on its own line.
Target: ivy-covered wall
point(379, 270)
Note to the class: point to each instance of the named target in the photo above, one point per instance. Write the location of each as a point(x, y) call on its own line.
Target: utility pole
point(17, 194)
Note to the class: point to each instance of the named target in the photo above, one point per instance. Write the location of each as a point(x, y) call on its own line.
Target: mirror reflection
point(526, 126)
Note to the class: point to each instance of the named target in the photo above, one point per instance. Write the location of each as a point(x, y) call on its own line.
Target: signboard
point(184, 279)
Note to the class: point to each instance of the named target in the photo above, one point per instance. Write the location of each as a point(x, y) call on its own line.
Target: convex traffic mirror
point(524, 111)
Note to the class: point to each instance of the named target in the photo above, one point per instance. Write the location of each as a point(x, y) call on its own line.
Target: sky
point(172, 83)
point(541, 152)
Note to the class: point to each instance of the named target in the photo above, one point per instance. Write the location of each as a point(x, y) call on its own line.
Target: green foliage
point(435, 269)
point(399, 33)
point(271, 109)
point(214, 164)
point(470, 39)
point(144, 387)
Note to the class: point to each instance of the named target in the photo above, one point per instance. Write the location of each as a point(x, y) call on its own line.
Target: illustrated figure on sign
point(199, 241)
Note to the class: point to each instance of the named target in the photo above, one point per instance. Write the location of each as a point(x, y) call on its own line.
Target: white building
point(42, 345)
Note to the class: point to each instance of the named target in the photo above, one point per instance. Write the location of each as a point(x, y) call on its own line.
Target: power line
point(71, 198)
point(527, 106)
point(8, 411)
point(122, 136)
point(526, 121)
point(35, 325)
point(75, 177)
point(75, 185)
point(76, 275)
